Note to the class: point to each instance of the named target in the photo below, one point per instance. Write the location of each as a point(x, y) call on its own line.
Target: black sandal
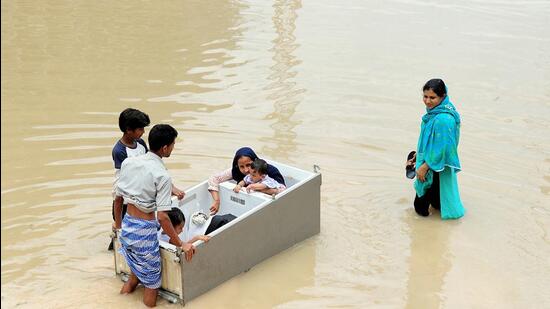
point(410, 171)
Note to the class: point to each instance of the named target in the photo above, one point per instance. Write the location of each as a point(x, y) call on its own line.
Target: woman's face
point(244, 164)
point(431, 99)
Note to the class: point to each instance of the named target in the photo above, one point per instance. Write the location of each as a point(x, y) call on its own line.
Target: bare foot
point(130, 285)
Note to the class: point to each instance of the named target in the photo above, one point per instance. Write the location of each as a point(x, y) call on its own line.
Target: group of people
point(143, 187)
point(142, 198)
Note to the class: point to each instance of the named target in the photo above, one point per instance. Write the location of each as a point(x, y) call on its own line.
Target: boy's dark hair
point(131, 119)
point(176, 216)
point(259, 166)
point(436, 85)
point(161, 135)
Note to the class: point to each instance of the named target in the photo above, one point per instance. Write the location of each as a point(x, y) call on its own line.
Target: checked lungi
point(140, 248)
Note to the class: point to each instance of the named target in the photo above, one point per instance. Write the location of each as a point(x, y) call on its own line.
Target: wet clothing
point(140, 247)
point(430, 197)
point(437, 147)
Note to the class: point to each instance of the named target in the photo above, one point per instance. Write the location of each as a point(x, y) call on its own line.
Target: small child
point(258, 180)
point(178, 221)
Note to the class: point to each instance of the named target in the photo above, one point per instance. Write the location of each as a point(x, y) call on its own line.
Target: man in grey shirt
point(146, 186)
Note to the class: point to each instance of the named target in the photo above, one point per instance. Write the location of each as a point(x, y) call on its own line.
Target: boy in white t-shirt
point(132, 123)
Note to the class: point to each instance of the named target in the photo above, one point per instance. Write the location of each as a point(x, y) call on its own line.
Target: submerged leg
point(434, 194)
point(422, 205)
point(150, 297)
point(130, 285)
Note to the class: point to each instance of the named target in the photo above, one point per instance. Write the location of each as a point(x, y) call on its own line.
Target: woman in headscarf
point(242, 161)
point(437, 159)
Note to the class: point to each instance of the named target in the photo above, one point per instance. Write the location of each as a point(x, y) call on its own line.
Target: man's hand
point(189, 251)
point(177, 192)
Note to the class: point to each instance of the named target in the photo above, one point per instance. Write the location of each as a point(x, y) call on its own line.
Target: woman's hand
point(237, 188)
point(421, 172)
point(215, 207)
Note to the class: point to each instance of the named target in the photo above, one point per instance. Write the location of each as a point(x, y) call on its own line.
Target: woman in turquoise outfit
point(437, 159)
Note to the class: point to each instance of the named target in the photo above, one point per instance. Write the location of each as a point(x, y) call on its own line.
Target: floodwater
point(332, 83)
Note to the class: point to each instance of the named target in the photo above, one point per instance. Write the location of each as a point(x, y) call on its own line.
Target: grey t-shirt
point(145, 183)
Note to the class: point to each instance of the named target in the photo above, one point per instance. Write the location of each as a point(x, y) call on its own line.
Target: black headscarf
point(272, 171)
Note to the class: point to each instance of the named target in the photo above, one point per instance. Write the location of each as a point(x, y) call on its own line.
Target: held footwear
point(409, 168)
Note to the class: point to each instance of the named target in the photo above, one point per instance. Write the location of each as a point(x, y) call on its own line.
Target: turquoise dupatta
point(437, 146)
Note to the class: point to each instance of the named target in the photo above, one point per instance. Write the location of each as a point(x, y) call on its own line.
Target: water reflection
point(273, 286)
point(284, 92)
point(204, 62)
point(429, 260)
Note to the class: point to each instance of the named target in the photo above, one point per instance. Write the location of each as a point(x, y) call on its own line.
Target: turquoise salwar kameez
point(437, 147)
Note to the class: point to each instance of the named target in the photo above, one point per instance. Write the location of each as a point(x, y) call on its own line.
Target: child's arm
point(199, 237)
point(256, 187)
point(239, 186)
point(269, 191)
